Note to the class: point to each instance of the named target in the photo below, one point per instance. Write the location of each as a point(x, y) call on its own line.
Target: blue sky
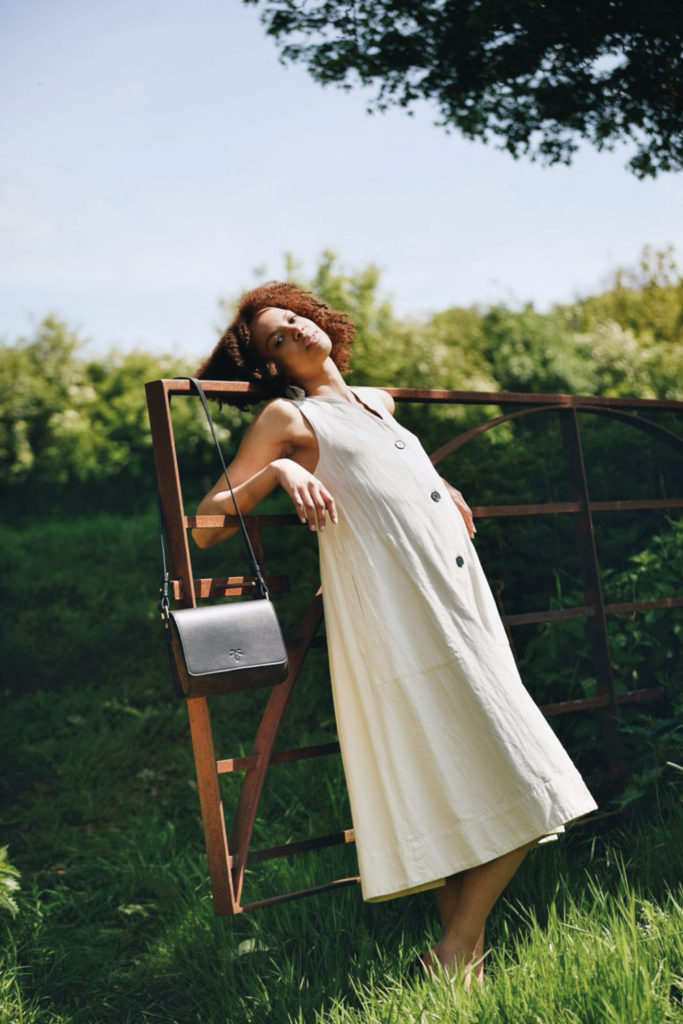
point(154, 153)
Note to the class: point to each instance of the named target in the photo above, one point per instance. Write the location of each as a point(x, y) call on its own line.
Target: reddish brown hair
point(235, 358)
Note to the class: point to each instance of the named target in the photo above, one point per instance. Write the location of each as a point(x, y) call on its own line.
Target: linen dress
point(448, 761)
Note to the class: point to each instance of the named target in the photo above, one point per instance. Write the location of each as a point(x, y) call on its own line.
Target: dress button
point(435, 496)
point(460, 560)
point(399, 444)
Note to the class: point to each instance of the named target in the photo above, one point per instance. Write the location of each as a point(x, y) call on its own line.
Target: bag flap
point(228, 637)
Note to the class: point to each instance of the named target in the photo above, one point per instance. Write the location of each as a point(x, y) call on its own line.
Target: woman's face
point(295, 344)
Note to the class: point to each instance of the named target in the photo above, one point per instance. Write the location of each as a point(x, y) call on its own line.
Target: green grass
point(113, 918)
point(115, 924)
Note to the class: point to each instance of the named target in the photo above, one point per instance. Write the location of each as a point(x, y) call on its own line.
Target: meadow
point(112, 917)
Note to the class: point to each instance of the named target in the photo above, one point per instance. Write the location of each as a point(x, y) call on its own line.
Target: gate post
point(592, 588)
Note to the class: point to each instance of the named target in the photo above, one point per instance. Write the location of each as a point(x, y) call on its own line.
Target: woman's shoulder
point(277, 412)
point(280, 417)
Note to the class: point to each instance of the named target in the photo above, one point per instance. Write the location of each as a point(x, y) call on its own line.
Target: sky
point(153, 154)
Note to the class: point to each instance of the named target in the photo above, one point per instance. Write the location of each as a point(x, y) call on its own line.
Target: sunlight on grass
point(107, 916)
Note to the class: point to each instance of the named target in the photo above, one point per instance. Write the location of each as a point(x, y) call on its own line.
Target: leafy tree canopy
point(537, 77)
point(67, 420)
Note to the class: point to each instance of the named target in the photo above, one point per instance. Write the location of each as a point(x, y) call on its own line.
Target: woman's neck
point(328, 383)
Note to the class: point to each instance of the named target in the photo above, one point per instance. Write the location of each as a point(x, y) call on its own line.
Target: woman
point(452, 771)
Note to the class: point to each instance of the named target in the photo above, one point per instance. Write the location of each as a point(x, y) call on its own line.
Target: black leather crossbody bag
point(223, 648)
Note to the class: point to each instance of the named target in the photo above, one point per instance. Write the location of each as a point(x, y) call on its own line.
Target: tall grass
point(114, 920)
point(119, 928)
point(601, 956)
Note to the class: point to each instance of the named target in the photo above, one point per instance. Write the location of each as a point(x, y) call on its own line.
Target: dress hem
point(435, 877)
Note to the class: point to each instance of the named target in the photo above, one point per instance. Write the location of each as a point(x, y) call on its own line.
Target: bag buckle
point(164, 605)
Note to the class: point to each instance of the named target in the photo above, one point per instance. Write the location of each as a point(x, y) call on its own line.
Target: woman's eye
point(278, 340)
point(292, 318)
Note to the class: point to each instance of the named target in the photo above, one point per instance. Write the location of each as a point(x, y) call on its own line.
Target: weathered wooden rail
point(229, 856)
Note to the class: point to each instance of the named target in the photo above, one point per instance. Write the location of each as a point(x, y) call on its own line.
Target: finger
point(316, 507)
point(299, 507)
point(315, 503)
point(321, 509)
point(316, 519)
point(310, 512)
point(328, 505)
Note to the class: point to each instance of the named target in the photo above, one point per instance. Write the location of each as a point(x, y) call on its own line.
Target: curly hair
point(235, 357)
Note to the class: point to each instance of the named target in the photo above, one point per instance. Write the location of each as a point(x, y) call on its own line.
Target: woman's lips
point(311, 339)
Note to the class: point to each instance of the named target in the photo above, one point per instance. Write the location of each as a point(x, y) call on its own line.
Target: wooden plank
point(565, 507)
point(589, 703)
point(241, 764)
point(314, 890)
point(654, 504)
point(551, 615)
point(225, 900)
point(224, 586)
point(639, 606)
point(301, 846)
point(168, 483)
point(240, 389)
point(479, 511)
point(584, 611)
point(275, 519)
point(250, 793)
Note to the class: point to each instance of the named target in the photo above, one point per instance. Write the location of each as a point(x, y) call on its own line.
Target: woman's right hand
point(311, 498)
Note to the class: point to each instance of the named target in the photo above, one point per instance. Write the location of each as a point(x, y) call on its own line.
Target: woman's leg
point(446, 900)
point(478, 890)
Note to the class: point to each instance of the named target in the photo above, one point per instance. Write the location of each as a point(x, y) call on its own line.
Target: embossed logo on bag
point(237, 654)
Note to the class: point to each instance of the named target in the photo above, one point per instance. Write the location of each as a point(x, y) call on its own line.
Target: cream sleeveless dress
point(448, 761)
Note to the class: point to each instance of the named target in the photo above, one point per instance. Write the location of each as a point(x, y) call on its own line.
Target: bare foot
point(472, 974)
point(428, 965)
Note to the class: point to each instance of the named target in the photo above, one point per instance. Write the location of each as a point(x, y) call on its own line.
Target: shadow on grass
point(101, 817)
point(121, 928)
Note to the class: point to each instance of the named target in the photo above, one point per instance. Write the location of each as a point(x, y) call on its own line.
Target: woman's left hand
point(463, 508)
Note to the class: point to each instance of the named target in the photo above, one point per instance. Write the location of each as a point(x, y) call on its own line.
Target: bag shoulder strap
point(255, 567)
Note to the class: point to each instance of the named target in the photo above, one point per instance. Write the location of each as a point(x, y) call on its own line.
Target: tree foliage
point(537, 77)
point(66, 419)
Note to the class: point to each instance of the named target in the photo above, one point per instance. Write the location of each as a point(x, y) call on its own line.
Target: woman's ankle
point(454, 956)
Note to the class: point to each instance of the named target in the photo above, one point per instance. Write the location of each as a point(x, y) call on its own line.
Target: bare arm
point(274, 450)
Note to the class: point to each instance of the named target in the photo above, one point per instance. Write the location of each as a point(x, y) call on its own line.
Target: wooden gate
point(228, 857)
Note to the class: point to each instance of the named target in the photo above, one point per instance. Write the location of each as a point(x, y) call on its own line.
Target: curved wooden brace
point(457, 442)
point(636, 421)
point(250, 792)
point(675, 440)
